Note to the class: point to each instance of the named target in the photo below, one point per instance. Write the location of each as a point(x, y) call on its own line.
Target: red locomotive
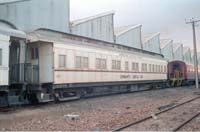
point(181, 73)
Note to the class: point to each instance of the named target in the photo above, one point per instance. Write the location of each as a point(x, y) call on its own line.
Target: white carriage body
point(71, 46)
point(70, 74)
point(4, 64)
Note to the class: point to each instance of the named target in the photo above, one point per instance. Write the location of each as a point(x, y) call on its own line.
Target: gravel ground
point(170, 120)
point(102, 113)
point(192, 126)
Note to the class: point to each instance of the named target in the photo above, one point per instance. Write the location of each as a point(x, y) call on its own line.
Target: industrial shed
point(166, 46)
point(187, 54)
point(129, 36)
point(178, 51)
point(151, 42)
point(28, 15)
point(100, 27)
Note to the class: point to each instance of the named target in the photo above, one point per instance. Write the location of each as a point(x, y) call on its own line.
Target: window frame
point(101, 64)
point(126, 65)
point(116, 65)
point(81, 62)
point(64, 63)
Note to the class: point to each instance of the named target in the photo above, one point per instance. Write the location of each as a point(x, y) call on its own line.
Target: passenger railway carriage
point(4, 82)
point(71, 67)
point(45, 65)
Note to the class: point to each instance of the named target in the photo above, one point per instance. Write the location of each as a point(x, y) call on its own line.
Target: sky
point(164, 16)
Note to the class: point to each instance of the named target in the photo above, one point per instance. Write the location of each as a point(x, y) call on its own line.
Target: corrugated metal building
point(129, 36)
point(178, 51)
point(192, 57)
point(166, 46)
point(187, 54)
point(28, 15)
point(100, 27)
point(151, 42)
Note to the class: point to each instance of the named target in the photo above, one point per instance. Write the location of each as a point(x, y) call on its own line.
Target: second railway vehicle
point(181, 73)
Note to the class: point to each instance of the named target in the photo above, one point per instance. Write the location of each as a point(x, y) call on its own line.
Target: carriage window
point(100, 63)
point(1, 57)
point(104, 64)
point(135, 66)
point(144, 67)
point(156, 69)
point(165, 69)
point(62, 61)
point(126, 66)
point(34, 53)
point(78, 62)
point(116, 65)
point(82, 62)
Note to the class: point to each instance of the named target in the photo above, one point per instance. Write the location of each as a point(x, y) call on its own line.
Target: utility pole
point(193, 22)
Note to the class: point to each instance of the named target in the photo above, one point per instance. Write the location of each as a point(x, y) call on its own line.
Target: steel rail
point(186, 122)
point(158, 113)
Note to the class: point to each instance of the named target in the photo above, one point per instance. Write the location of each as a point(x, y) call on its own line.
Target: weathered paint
point(4, 68)
point(151, 42)
point(45, 60)
point(70, 74)
point(33, 14)
point(187, 54)
point(178, 51)
point(129, 36)
point(167, 49)
point(72, 46)
point(100, 27)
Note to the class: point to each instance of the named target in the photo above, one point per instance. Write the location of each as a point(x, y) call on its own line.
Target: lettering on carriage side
point(125, 76)
point(137, 76)
point(131, 77)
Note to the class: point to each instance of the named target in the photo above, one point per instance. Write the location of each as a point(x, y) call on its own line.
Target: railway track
point(186, 122)
point(159, 113)
point(8, 109)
